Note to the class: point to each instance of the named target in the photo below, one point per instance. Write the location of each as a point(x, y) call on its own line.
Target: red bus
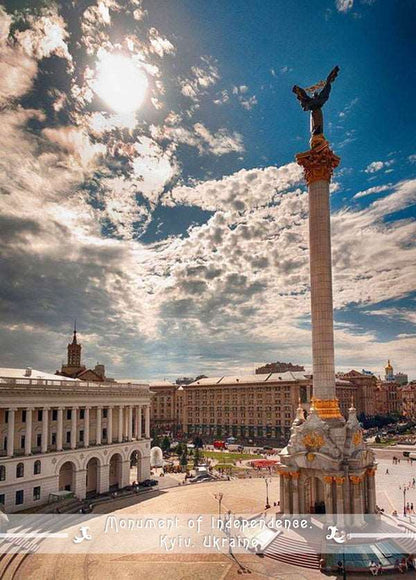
point(220, 445)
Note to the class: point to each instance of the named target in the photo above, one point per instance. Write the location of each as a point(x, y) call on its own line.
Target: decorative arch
point(136, 464)
point(37, 467)
point(67, 476)
point(2, 472)
point(75, 459)
point(115, 471)
point(92, 475)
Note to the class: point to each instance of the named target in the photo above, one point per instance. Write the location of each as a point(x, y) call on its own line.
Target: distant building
point(363, 391)
point(166, 407)
point(388, 398)
point(247, 407)
point(401, 378)
point(74, 368)
point(408, 400)
point(279, 367)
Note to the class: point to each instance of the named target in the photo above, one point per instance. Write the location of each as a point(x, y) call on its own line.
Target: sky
point(149, 189)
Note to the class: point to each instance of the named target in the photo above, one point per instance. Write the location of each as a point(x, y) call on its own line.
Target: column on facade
point(130, 423)
point(371, 486)
point(282, 493)
point(356, 481)
point(329, 507)
point(87, 427)
point(45, 429)
point(147, 421)
point(98, 425)
point(295, 491)
point(10, 431)
point(110, 425)
point(339, 482)
point(139, 421)
point(28, 434)
point(74, 427)
point(60, 428)
point(120, 424)
point(286, 493)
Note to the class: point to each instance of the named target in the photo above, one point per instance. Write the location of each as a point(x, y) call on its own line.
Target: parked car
point(148, 483)
point(200, 477)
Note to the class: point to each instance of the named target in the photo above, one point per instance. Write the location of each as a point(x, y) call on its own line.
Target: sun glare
point(120, 82)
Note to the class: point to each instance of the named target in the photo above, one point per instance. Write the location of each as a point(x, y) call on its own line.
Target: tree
point(198, 442)
point(156, 441)
point(178, 449)
point(165, 444)
point(197, 457)
point(183, 461)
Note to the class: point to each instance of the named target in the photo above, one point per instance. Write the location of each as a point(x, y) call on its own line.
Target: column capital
point(319, 162)
point(30, 408)
point(45, 408)
point(14, 409)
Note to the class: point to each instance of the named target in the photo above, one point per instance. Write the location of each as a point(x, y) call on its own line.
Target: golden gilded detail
point(295, 474)
point(355, 479)
point(327, 408)
point(313, 441)
point(357, 438)
point(328, 479)
point(319, 162)
point(310, 456)
point(371, 471)
point(339, 480)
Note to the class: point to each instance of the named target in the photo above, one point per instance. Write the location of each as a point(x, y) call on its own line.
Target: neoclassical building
point(69, 435)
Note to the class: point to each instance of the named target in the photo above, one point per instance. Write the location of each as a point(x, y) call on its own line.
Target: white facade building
point(69, 435)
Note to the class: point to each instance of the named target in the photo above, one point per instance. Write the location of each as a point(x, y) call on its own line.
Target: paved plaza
point(241, 496)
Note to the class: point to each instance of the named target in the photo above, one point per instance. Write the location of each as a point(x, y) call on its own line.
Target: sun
point(120, 82)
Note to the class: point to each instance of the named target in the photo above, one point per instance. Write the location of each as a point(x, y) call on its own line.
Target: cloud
point(199, 136)
point(202, 77)
point(377, 166)
point(344, 5)
point(373, 190)
point(412, 158)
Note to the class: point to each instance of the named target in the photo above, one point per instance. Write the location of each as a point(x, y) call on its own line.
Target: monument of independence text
point(326, 466)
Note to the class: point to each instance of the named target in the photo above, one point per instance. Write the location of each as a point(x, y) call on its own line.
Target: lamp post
point(267, 481)
point(218, 497)
point(404, 489)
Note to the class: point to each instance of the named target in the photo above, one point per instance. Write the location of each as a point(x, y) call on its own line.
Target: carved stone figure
point(315, 102)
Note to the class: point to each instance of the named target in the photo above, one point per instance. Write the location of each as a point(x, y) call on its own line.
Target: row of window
point(20, 496)
point(55, 415)
point(53, 438)
point(20, 470)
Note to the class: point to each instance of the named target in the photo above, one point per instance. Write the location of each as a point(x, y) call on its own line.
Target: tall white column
point(45, 429)
point(110, 425)
point(28, 434)
point(139, 421)
point(147, 421)
point(74, 427)
point(120, 424)
point(59, 433)
point(87, 427)
point(318, 164)
point(10, 431)
point(99, 430)
point(130, 423)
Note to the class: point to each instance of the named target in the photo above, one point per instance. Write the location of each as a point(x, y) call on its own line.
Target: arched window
point(36, 467)
point(2, 473)
point(20, 470)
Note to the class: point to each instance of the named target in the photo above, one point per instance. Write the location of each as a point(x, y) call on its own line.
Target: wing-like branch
point(332, 75)
point(302, 97)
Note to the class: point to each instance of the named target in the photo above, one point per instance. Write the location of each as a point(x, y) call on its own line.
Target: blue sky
point(150, 191)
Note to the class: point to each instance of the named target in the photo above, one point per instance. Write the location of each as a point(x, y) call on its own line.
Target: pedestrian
point(411, 507)
point(340, 567)
point(373, 568)
point(387, 472)
point(379, 569)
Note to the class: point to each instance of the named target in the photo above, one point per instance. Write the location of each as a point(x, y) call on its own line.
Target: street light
point(218, 497)
point(267, 481)
point(404, 498)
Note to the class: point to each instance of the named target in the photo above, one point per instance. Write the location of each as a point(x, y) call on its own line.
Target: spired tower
point(326, 466)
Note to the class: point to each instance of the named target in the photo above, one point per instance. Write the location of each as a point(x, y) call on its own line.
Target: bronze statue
point(315, 103)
